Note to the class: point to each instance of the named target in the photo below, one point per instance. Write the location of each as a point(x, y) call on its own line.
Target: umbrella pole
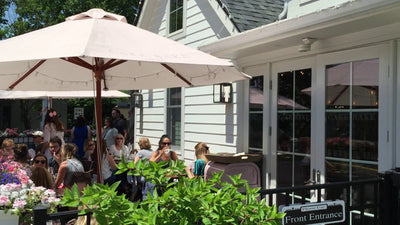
point(98, 75)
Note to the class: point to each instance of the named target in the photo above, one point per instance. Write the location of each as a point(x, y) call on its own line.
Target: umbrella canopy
point(63, 57)
point(59, 94)
point(101, 47)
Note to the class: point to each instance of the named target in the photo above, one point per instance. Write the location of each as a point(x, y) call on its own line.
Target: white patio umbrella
point(101, 46)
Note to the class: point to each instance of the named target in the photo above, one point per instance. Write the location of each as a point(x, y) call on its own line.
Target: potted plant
point(186, 201)
point(18, 195)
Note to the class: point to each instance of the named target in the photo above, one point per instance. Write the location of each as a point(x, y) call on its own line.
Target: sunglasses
point(166, 143)
point(40, 161)
point(119, 138)
point(90, 144)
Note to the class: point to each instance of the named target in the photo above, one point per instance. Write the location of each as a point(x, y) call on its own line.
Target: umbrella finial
point(97, 14)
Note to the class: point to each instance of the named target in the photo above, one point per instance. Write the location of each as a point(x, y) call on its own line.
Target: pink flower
point(19, 204)
point(54, 113)
point(4, 200)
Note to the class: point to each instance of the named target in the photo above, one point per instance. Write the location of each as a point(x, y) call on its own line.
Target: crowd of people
point(55, 164)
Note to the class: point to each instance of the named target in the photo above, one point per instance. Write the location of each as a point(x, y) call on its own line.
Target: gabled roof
point(249, 14)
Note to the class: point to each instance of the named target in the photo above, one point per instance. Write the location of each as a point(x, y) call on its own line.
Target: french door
point(330, 118)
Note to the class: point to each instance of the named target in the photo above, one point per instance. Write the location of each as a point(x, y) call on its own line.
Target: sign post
point(314, 213)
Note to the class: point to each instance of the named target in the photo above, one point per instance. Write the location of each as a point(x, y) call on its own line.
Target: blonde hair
point(119, 136)
point(69, 150)
point(144, 143)
point(7, 143)
point(200, 150)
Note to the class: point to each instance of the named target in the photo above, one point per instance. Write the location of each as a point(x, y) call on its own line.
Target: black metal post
point(40, 215)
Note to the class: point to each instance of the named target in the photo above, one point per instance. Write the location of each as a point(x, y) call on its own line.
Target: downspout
point(283, 14)
point(139, 12)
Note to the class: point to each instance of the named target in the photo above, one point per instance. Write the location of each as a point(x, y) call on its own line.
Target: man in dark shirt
point(55, 149)
point(119, 122)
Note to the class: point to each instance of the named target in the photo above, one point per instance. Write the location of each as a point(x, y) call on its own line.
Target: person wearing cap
point(38, 144)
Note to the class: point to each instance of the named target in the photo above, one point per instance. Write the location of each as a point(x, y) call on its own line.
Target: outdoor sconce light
point(137, 98)
point(306, 46)
point(222, 93)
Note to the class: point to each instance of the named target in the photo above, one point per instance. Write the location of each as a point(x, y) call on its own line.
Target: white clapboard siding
point(203, 120)
point(215, 109)
point(211, 119)
point(209, 128)
point(196, 90)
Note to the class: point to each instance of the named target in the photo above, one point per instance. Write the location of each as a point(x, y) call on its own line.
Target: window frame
point(168, 122)
point(177, 34)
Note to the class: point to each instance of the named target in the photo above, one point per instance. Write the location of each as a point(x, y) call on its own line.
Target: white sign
point(314, 213)
point(78, 111)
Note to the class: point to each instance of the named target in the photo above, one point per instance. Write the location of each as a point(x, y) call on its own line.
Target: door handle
point(318, 177)
point(315, 177)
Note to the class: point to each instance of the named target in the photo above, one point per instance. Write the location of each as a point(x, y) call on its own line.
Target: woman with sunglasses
point(40, 160)
point(119, 149)
point(164, 153)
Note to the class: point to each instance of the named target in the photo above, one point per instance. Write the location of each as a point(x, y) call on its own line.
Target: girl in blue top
point(200, 150)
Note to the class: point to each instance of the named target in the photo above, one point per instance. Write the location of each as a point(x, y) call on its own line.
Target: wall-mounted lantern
point(137, 98)
point(222, 93)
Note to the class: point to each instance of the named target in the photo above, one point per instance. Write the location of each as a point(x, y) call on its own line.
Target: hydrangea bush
point(19, 195)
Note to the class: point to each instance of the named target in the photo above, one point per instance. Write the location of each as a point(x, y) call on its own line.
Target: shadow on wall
point(212, 19)
point(229, 127)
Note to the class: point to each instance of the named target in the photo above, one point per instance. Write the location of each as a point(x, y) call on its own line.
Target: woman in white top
point(118, 149)
point(53, 126)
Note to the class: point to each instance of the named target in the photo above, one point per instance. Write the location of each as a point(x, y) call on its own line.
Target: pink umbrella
point(102, 48)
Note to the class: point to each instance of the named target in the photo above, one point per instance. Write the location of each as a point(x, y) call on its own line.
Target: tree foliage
point(185, 202)
point(36, 14)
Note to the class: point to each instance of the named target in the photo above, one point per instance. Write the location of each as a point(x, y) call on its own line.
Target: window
point(352, 120)
point(174, 96)
point(175, 15)
point(256, 113)
point(293, 127)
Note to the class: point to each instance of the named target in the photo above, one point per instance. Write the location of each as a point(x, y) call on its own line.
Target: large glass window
point(352, 120)
point(174, 97)
point(293, 127)
point(256, 113)
point(175, 15)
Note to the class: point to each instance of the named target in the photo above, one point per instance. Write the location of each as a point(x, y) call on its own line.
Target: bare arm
point(174, 156)
point(62, 171)
point(156, 155)
point(111, 161)
point(89, 133)
point(72, 133)
point(57, 157)
point(136, 158)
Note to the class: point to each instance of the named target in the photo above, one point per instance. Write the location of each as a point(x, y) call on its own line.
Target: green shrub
point(187, 201)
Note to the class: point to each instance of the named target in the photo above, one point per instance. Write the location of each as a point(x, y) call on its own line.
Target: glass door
point(291, 122)
point(352, 122)
point(293, 128)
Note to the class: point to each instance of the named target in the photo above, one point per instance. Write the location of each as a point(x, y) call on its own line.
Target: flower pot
point(8, 218)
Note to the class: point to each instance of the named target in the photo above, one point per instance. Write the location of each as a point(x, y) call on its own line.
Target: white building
point(323, 98)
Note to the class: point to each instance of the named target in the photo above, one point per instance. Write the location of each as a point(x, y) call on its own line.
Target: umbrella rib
point(111, 63)
point(12, 86)
point(340, 93)
point(79, 62)
point(176, 73)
